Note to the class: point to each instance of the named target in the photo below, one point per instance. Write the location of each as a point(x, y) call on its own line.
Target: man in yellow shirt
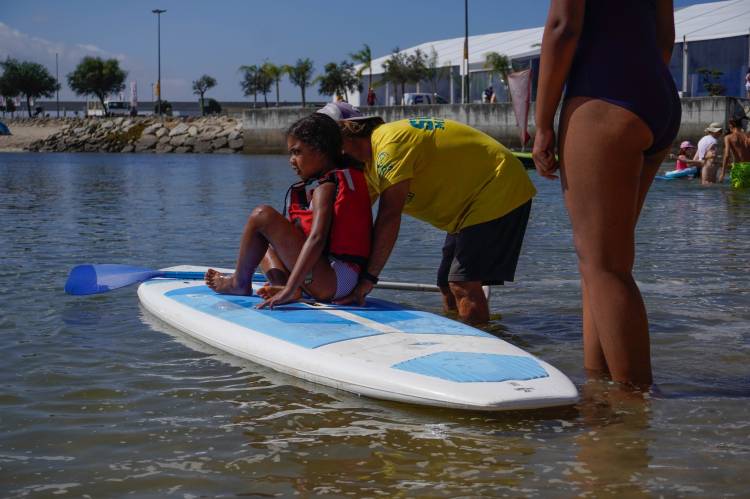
point(454, 177)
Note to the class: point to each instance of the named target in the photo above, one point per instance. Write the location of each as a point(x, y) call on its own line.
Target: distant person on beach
point(322, 243)
point(371, 97)
point(736, 145)
point(455, 178)
point(620, 114)
point(707, 151)
point(747, 84)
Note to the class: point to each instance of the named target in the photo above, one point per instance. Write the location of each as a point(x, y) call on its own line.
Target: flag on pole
point(519, 84)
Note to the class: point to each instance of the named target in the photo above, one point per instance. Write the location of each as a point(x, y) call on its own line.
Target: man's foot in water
point(227, 285)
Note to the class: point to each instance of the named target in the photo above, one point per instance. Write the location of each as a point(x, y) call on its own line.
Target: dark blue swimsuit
point(618, 60)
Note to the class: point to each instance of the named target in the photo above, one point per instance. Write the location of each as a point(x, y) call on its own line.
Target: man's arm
point(384, 235)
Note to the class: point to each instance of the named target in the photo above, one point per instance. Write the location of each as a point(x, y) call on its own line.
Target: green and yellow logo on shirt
point(384, 163)
point(427, 123)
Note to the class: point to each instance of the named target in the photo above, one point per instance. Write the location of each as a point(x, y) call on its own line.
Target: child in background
point(684, 158)
point(325, 241)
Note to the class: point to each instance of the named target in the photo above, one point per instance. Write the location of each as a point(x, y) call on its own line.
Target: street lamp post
point(57, 90)
point(158, 13)
point(467, 91)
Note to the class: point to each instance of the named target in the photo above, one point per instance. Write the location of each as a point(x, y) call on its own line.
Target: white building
point(717, 36)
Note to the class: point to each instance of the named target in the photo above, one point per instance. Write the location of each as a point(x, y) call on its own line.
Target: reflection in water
point(96, 401)
point(613, 447)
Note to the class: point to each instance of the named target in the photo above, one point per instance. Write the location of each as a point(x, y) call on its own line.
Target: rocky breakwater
point(203, 135)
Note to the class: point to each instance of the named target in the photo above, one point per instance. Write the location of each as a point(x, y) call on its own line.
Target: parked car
point(416, 99)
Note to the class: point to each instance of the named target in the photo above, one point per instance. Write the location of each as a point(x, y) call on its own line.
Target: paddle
point(89, 279)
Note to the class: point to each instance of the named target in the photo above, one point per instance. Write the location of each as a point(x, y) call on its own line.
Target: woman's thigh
point(601, 149)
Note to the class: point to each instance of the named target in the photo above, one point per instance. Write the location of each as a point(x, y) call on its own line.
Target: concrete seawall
point(264, 128)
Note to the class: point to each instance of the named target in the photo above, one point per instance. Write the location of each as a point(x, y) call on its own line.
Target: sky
point(217, 37)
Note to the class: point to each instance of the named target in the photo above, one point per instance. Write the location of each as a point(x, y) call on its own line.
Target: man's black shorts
point(486, 252)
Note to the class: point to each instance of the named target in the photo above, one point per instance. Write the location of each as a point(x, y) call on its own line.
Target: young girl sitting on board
point(325, 237)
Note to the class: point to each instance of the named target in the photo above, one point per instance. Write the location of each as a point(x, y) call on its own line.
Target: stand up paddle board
point(382, 350)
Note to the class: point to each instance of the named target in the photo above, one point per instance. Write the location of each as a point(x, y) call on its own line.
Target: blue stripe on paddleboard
point(469, 367)
point(299, 324)
point(414, 321)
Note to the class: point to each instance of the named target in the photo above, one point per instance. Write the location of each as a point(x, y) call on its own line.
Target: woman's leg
point(602, 169)
point(594, 360)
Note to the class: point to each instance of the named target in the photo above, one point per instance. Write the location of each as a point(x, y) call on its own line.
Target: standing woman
point(620, 114)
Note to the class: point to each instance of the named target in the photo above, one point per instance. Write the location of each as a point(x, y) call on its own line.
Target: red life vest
point(351, 228)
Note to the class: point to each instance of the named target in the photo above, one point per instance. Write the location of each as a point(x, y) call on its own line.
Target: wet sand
point(25, 134)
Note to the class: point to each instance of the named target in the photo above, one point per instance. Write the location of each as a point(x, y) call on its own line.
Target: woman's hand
point(286, 295)
point(544, 153)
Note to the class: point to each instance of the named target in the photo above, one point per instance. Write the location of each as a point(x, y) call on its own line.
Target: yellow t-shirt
point(459, 175)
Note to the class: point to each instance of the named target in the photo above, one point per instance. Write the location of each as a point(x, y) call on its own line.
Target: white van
point(416, 99)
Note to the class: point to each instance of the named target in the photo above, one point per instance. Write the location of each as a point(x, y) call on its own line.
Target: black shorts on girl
point(486, 252)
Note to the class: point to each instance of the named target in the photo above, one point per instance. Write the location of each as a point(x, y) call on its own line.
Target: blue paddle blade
point(90, 279)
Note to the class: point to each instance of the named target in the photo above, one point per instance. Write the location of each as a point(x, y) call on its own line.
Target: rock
point(219, 143)
point(224, 132)
point(161, 132)
point(164, 148)
point(128, 148)
point(180, 129)
point(234, 135)
point(145, 142)
point(106, 125)
point(118, 121)
point(224, 150)
point(179, 140)
point(193, 131)
point(164, 139)
point(151, 128)
point(202, 146)
point(183, 149)
point(189, 141)
point(236, 144)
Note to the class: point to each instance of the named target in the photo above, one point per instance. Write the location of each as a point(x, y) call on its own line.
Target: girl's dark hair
point(320, 132)
point(360, 129)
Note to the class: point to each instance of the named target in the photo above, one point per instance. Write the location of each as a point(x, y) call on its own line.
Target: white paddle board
point(382, 350)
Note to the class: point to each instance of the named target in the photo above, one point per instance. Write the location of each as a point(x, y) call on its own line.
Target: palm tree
point(500, 64)
point(339, 79)
point(364, 57)
point(275, 73)
point(301, 75)
point(201, 86)
point(249, 82)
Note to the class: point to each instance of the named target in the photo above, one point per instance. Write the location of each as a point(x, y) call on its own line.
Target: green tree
point(711, 81)
point(249, 82)
point(499, 64)
point(434, 72)
point(364, 57)
point(416, 67)
point(301, 75)
point(338, 79)
point(201, 86)
point(99, 77)
point(275, 73)
point(213, 107)
point(263, 82)
point(396, 71)
point(26, 78)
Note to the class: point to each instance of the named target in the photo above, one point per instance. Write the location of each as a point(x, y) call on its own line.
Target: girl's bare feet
point(227, 285)
point(269, 290)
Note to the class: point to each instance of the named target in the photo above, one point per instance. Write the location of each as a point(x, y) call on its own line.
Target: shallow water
point(98, 398)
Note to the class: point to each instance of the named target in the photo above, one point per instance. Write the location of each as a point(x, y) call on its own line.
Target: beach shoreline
point(27, 131)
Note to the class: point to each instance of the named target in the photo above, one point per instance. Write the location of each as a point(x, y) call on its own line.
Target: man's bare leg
point(470, 301)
